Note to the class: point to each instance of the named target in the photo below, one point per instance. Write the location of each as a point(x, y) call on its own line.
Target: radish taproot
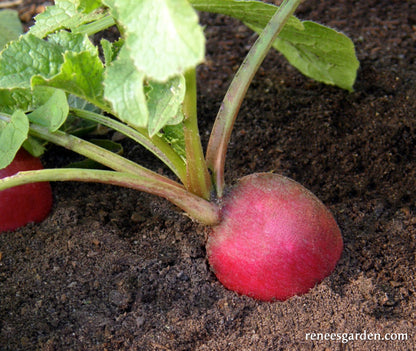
point(25, 203)
point(275, 240)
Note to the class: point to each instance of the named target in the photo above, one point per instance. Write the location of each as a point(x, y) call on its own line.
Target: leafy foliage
point(138, 79)
point(10, 27)
point(317, 51)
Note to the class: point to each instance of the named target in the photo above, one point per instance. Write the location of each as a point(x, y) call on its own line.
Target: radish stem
point(221, 133)
point(94, 152)
point(156, 145)
point(203, 211)
point(198, 180)
point(96, 26)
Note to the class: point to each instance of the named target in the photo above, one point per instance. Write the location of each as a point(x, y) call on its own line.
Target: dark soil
point(115, 269)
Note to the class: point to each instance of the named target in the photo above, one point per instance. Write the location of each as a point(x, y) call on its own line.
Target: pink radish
point(275, 240)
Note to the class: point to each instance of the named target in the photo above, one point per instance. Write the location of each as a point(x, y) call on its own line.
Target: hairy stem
point(198, 178)
point(203, 211)
point(156, 145)
point(221, 133)
point(96, 26)
point(97, 153)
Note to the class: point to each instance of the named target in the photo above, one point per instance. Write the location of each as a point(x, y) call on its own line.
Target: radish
point(25, 203)
point(275, 239)
point(271, 238)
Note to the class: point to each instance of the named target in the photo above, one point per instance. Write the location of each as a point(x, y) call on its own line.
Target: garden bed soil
point(116, 269)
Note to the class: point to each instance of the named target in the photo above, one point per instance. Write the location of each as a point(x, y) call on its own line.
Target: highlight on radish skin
point(275, 239)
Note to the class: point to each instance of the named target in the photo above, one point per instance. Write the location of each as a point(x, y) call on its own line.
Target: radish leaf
point(10, 27)
point(34, 146)
point(81, 74)
point(26, 57)
point(64, 14)
point(108, 52)
point(163, 36)
point(15, 99)
point(164, 103)
point(53, 108)
point(12, 135)
point(174, 135)
point(255, 12)
point(89, 5)
point(67, 61)
point(318, 52)
point(124, 89)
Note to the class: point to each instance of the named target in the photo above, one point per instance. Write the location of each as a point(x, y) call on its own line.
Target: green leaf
point(67, 61)
point(79, 126)
point(163, 36)
point(124, 89)
point(111, 49)
point(174, 135)
point(24, 99)
point(27, 57)
point(34, 146)
point(107, 51)
point(72, 42)
point(10, 27)
point(81, 74)
point(89, 5)
point(317, 51)
point(78, 103)
point(64, 15)
point(254, 12)
point(15, 99)
point(164, 103)
point(320, 53)
point(12, 136)
point(53, 109)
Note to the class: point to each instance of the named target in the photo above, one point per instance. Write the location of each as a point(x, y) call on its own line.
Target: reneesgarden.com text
point(364, 336)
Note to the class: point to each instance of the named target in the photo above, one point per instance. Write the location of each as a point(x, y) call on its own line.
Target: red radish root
point(25, 203)
point(275, 240)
